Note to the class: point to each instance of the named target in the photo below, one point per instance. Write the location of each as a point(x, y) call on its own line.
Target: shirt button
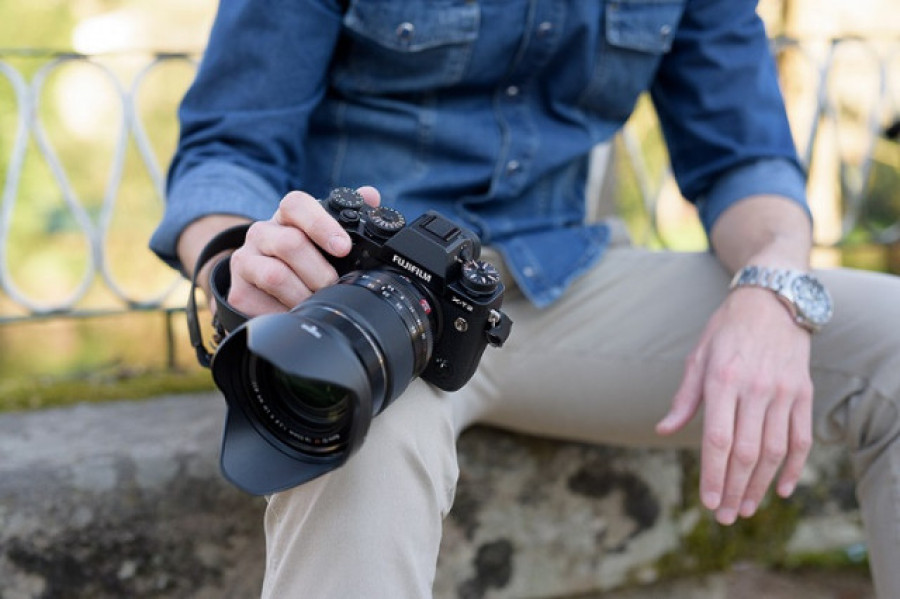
point(512, 91)
point(544, 28)
point(405, 31)
point(513, 167)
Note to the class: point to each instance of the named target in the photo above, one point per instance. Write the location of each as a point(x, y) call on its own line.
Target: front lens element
point(309, 415)
point(303, 396)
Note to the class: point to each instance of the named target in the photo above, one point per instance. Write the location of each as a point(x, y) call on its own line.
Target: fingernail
point(726, 516)
point(711, 500)
point(667, 422)
point(786, 489)
point(748, 508)
point(338, 245)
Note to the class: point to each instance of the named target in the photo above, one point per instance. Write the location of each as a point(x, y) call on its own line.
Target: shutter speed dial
point(384, 222)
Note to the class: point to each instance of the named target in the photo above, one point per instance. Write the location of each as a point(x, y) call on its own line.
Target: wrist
point(805, 297)
point(783, 254)
point(198, 234)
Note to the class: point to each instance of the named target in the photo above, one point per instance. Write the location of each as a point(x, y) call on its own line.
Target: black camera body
point(413, 300)
point(440, 258)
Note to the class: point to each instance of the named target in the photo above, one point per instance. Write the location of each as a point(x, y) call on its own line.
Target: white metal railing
point(95, 228)
point(827, 109)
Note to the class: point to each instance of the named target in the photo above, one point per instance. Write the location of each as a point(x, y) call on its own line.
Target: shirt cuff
point(210, 188)
point(770, 176)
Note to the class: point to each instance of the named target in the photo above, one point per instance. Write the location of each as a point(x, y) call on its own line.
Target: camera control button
point(348, 216)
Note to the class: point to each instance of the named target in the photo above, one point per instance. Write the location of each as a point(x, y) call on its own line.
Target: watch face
point(812, 300)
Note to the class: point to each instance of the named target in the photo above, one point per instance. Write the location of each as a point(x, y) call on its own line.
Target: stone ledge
point(125, 499)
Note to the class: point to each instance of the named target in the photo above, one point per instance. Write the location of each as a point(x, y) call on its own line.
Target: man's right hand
point(281, 262)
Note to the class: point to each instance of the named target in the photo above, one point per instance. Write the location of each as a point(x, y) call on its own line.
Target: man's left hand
point(751, 372)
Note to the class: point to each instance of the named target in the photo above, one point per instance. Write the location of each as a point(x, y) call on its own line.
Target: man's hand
point(751, 371)
point(281, 262)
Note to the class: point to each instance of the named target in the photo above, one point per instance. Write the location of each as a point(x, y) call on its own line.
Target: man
point(486, 111)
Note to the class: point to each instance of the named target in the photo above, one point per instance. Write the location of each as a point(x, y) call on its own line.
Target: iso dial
point(344, 198)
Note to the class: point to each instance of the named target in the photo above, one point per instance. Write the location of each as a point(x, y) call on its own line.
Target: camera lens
point(308, 415)
point(328, 402)
point(307, 383)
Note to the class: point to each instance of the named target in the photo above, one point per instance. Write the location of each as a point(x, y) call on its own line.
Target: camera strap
point(226, 317)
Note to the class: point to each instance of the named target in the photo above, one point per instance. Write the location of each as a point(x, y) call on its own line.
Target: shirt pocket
point(405, 46)
point(636, 35)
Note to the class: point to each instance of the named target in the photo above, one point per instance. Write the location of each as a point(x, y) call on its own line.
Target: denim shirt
point(484, 110)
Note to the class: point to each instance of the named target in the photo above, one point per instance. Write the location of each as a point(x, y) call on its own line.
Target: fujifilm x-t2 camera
point(302, 387)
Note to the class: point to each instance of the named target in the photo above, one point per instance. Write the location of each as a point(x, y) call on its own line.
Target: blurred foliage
point(882, 203)
point(43, 24)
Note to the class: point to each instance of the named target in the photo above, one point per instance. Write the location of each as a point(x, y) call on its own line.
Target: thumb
point(370, 194)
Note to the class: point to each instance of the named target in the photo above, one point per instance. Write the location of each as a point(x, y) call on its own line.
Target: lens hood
point(258, 454)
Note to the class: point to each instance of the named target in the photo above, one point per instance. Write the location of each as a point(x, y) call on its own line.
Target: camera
point(302, 387)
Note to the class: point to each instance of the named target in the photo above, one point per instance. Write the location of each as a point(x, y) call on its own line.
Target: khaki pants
point(601, 365)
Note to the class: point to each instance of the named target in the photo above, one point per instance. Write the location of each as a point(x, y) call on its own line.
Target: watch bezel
point(805, 292)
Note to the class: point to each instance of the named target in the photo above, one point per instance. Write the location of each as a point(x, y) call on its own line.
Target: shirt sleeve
point(245, 117)
point(722, 112)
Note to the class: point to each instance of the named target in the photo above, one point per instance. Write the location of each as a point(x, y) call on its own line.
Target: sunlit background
point(78, 122)
point(70, 180)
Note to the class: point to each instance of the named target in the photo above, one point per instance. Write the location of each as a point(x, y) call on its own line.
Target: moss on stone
point(763, 539)
point(839, 559)
point(710, 547)
point(30, 394)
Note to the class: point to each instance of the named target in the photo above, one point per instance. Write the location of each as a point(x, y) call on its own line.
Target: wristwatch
point(804, 295)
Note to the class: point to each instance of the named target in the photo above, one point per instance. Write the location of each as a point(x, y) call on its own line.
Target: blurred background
point(88, 93)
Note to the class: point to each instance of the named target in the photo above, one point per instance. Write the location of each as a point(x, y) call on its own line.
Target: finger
point(799, 445)
point(718, 436)
point(251, 301)
point(687, 398)
point(262, 284)
point(292, 247)
point(302, 211)
point(745, 450)
point(772, 454)
point(370, 195)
